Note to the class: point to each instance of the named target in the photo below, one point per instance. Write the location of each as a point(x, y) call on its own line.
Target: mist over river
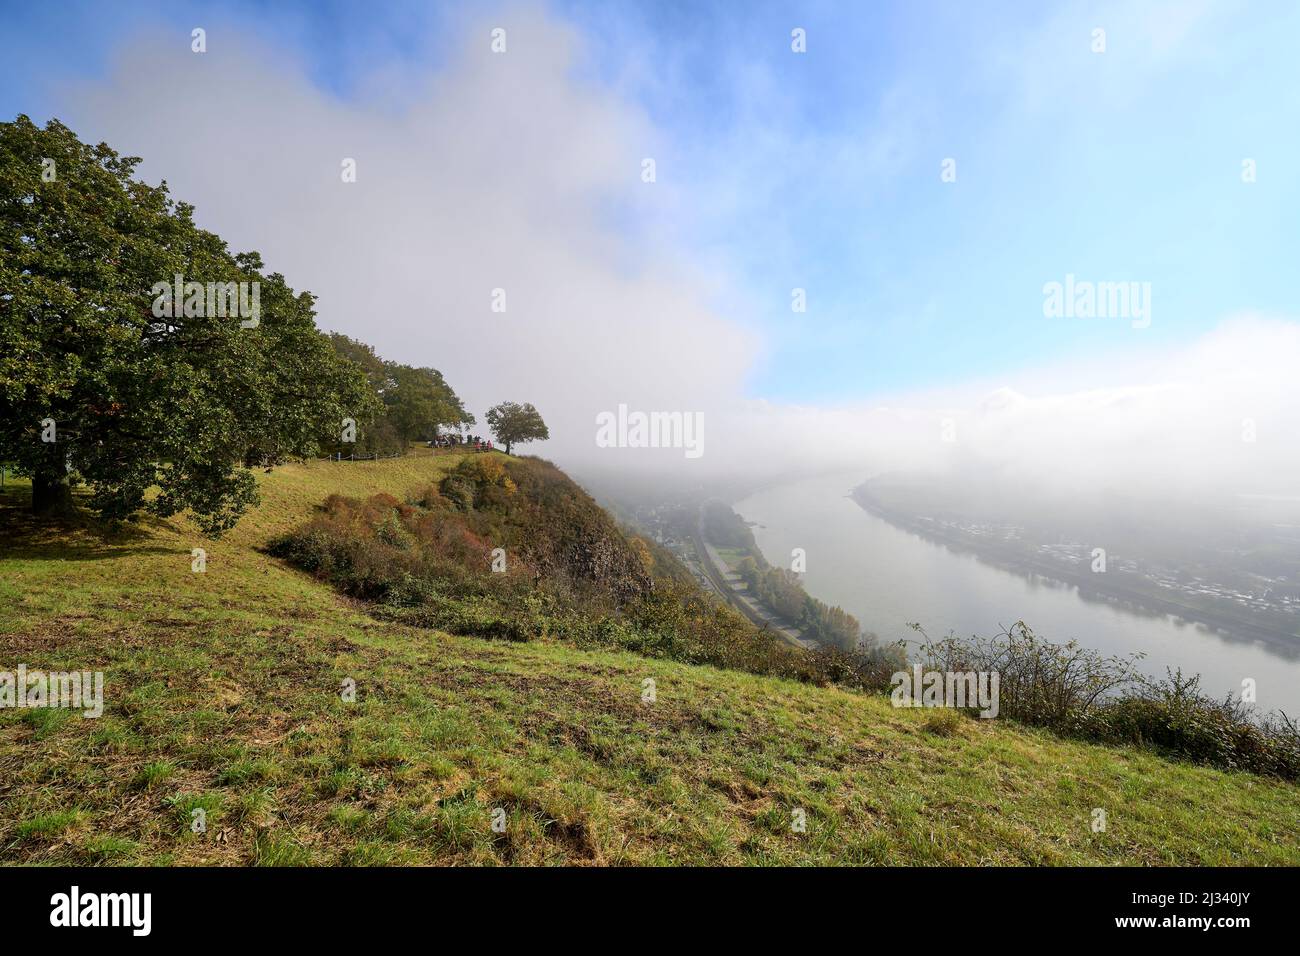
point(887, 577)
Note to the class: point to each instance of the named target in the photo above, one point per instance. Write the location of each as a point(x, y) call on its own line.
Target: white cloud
point(509, 171)
point(1216, 417)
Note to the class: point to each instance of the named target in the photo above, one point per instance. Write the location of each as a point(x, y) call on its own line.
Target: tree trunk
point(507, 448)
point(51, 494)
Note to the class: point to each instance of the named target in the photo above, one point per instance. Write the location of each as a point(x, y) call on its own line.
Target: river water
point(887, 577)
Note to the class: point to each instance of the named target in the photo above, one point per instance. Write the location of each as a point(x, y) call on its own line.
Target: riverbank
point(1113, 589)
point(727, 583)
point(890, 577)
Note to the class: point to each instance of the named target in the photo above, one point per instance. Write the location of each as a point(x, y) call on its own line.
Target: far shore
point(1232, 627)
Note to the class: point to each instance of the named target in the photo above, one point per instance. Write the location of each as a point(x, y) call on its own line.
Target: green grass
point(733, 556)
point(222, 693)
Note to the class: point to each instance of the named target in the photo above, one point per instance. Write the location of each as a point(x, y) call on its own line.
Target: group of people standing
point(451, 441)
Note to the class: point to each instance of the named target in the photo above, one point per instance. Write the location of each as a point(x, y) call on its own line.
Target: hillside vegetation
point(511, 548)
point(223, 694)
point(780, 588)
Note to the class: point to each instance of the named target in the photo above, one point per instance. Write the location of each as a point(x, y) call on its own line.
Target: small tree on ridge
point(511, 422)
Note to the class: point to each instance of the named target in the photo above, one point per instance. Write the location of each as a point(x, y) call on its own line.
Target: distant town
point(1219, 590)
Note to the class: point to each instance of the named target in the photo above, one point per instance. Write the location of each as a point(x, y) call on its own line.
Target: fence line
point(356, 457)
point(5, 468)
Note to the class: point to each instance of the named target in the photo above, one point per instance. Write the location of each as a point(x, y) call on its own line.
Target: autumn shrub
point(569, 575)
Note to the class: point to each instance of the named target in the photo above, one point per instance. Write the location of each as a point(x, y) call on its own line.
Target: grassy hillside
point(223, 693)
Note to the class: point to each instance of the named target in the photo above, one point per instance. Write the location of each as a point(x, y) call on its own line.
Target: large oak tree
point(136, 401)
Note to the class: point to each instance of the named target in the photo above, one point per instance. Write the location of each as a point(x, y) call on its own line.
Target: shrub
point(1041, 682)
point(431, 499)
point(1080, 693)
point(1175, 716)
point(942, 722)
point(459, 491)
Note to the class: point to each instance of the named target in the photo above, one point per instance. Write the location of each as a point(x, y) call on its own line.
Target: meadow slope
point(223, 694)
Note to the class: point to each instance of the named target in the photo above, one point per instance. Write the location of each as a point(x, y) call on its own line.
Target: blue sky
point(822, 170)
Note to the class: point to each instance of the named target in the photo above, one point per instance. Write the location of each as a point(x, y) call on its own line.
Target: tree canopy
point(420, 401)
point(414, 403)
point(513, 423)
point(102, 381)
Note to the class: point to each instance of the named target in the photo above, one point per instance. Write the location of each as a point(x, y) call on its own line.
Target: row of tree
point(133, 356)
point(782, 591)
point(412, 404)
point(779, 588)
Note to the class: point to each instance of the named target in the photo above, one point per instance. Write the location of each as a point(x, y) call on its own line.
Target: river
point(887, 577)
